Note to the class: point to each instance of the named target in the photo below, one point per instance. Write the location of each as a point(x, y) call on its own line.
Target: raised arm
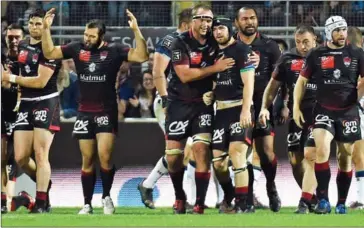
point(49, 50)
point(140, 53)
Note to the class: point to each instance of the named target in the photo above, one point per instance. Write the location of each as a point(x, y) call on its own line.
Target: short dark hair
point(16, 26)
point(355, 36)
point(96, 23)
point(245, 8)
point(283, 42)
point(200, 6)
point(305, 28)
point(148, 71)
point(185, 16)
point(37, 13)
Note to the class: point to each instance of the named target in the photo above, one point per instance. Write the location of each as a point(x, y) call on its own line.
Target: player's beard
point(336, 43)
point(247, 33)
point(94, 46)
point(225, 41)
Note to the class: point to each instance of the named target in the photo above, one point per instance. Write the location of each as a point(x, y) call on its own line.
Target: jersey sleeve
point(69, 50)
point(243, 62)
point(279, 71)
point(164, 46)
point(179, 54)
point(275, 51)
point(308, 65)
point(122, 52)
point(51, 64)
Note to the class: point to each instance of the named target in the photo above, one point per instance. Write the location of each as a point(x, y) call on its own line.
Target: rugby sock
point(297, 171)
point(88, 180)
point(360, 185)
point(177, 180)
point(40, 199)
point(48, 189)
point(160, 169)
point(3, 199)
point(107, 178)
point(343, 181)
point(190, 175)
point(241, 193)
point(219, 191)
point(306, 197)
point(323, 175)
point(270, 170)
point(202, 183)
point(228, 189)
point(250, 201)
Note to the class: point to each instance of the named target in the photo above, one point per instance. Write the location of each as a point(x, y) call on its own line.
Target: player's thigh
point(4, 146)
point(46, 114)
point(43, 139)
point(88, 148)
point(105, 143)
point(238, 151)
point(358, 153)
point(23, 145)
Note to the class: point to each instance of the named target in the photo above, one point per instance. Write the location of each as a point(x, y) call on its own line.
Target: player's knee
point(220, 166)
point(174, 152)
point(310, 155)
point(21, 159)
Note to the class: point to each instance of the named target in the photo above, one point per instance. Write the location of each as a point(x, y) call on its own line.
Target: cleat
point(38, 210)
point(274, 200)
point(250, 209)
point(341, 209)
point(323, 207)
point(179, 207)
point(217, 205)
point(241, 206)
point(226, 208)
point(86, 210)
point(31, 203)
point(303, 208)
point(108, 205)
point(258, 204)
point(197, 209)
point(4, 210)
point(48, 207)
point(147, 195)
point(357, 206)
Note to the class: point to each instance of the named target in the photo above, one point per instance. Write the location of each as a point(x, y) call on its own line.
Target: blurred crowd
point(159, 13)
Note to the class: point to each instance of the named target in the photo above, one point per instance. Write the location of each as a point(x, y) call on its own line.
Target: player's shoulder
point(240, 47)
point(317, 51)
point(116, 46)
point(23, 43)
point(167, 40)
point(354, 49)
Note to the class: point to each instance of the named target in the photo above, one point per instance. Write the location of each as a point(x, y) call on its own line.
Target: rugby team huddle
point(216, 90)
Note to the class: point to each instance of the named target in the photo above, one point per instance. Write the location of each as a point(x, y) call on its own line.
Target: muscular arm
point(49, 50)
point(37, 82)
point(270, 93)
point(247, 76)
point(299, 92)
point(187, 74)
point(161, 62)
point(140, 53)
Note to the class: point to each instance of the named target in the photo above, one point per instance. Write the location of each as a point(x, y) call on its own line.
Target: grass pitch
point(126, 216)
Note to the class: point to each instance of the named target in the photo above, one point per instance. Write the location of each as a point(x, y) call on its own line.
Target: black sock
point(49, 188)
point(241, 194)
point(88, 180)
point(18, 201)
point(40, 199)
point(323, 175)
point(297, 171)
point(202, 183)
point(228, 189)
point(270, 170)
point(107, 178)
point(343, 181)
point(250, 200)
point(3, 199)
point(177, 180)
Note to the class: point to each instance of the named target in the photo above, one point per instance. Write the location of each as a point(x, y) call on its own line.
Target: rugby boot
point(179, 207)
point(341, 209)
point(323, 207)
point(302, 208)
point(147, 195)
point(274, 200)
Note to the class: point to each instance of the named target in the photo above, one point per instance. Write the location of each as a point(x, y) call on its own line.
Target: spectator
point(142, 105)
point(125, 89)
point(68, 88)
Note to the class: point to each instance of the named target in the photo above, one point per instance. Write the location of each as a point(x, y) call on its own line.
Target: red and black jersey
point(29, 58)
point(336, 72)
point(229, 85)
point(97, 70)
point(186, 50)
point(269, 53)
point(287, 71)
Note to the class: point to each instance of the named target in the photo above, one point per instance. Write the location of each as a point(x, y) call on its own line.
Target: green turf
point(164, 217)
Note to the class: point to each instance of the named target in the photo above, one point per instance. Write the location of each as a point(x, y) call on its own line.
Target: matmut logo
point(92, 78)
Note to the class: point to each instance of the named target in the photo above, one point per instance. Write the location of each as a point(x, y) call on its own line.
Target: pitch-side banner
point(151, 35)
